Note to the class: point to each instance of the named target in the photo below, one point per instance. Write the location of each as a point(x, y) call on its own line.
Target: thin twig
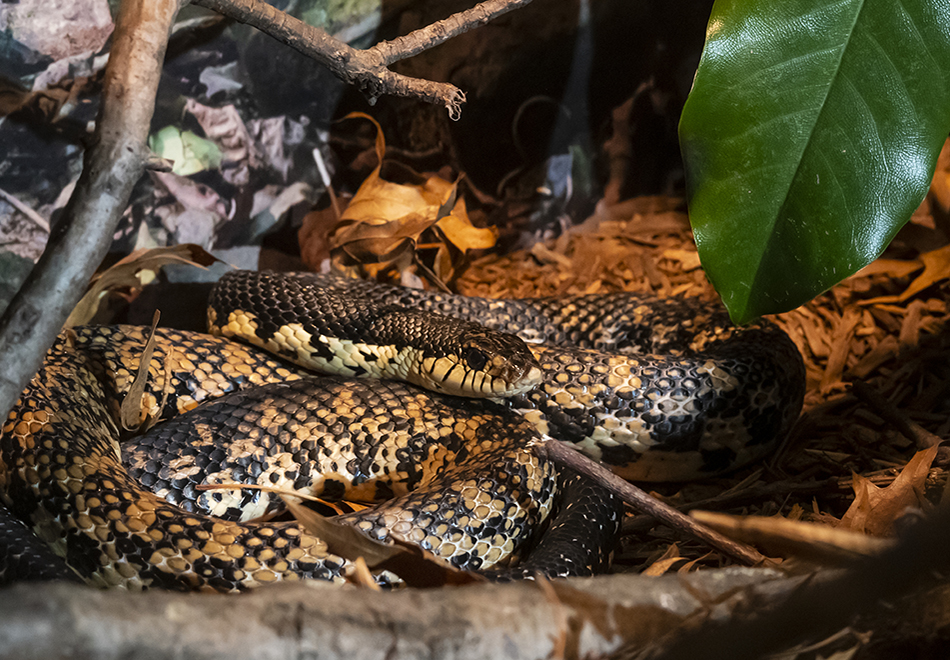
point(565, 454)
point(37, 219)
point(759, 492)
point(881, 406)
point(439, 32)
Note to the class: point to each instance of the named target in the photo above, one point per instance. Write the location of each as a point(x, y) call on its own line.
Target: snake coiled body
point(467, 484)
point(659, 389)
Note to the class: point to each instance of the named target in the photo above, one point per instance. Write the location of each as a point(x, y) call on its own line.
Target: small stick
point(565, 454)
point(37, 219)
point(643, 522)
point(907, 427)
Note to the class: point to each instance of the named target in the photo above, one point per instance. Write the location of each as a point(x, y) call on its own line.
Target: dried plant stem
point(32, 215)
point(908, 427)
point(432, 35)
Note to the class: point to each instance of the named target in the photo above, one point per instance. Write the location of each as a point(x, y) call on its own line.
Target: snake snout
point(483, 363)
point(508, 365)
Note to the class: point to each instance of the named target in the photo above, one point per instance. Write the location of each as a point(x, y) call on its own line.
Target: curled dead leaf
point(936, 265)
point(133, 415)
point(389, 224)
point(875, 509)
point(671, 557)
point(131, 273)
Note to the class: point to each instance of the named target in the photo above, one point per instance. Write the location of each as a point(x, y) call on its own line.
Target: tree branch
point(821, 607)
point(565, 454)
point(112, 166)
point(368, 68)
point(432, 35)
point(118, 155)
point(586, 617)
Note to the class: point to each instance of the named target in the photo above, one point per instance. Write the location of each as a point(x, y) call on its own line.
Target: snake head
point(483, 363)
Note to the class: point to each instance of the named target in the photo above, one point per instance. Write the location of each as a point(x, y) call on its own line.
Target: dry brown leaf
point(458, 230)
point(670, 557)
point(343, 540)
point(889, 267)
point(415, 566)
point(688, 566)
point(875, 509)
point(385, 222)
point(936, 268)
point(124, 276)
point(312, 236)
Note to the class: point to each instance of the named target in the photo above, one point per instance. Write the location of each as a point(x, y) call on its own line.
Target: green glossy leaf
point(810, 136)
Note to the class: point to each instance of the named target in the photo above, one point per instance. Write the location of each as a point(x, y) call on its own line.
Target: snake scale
point(658, 390)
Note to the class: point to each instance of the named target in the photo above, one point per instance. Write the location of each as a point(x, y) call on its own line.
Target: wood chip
point(884, 351)
point(840, 348)
point(815, 333)
point(885, 319)
point(910, 328)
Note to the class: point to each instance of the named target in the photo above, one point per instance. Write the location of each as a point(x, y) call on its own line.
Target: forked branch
point(367, 69)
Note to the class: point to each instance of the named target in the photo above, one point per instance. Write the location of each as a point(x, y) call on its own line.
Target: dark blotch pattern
point(744, 409)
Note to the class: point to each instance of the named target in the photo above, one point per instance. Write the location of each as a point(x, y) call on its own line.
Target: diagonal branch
point(119, 153)
point(565, 454)
point(112, 166)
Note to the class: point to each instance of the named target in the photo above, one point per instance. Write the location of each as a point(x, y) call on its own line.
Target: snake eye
point(475, 358)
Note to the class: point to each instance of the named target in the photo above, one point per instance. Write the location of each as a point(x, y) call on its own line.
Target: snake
point(431, 408)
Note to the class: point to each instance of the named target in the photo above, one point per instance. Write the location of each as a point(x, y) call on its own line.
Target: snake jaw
point(479, 363)
point(528, 382)
point(498, 380)
point(512, 377)
point(495, 364)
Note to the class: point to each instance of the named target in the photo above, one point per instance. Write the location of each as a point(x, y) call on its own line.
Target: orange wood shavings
point(867, 328)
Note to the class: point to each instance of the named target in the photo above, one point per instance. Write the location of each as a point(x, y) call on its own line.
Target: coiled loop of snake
point(479, 489)
point(660, 390)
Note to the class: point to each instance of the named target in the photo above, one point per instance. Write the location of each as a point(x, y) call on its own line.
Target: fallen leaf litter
point(885, 327)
